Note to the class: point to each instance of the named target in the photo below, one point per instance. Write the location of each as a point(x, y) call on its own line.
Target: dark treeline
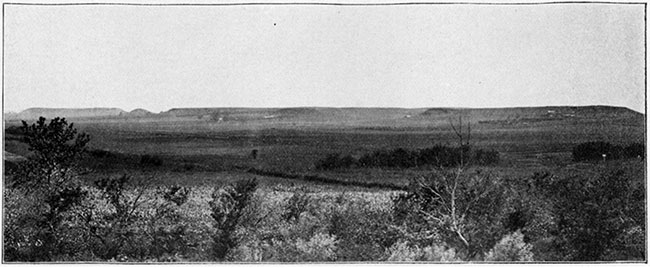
point(438, 156)
point(321, 179)
point(600, 150)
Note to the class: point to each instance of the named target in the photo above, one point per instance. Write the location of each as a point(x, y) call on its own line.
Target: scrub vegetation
point(493, 191)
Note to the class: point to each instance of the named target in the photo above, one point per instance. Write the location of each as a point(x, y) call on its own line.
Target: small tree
point(56, 149)
point(462, 210)
point(49, 177)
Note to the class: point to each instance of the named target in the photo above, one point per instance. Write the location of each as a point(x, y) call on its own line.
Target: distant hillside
point(209, 111)
point(349, 116)
point(33, 113)
point(516, 115)
point(138, 113)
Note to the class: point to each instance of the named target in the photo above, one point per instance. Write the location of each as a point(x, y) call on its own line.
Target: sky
point(163, 57)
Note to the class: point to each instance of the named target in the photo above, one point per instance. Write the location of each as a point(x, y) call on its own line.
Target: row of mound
point(334, 114)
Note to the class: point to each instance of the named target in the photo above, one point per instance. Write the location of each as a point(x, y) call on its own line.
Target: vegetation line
point(321, 179)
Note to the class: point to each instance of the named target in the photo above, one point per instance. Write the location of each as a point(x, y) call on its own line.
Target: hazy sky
point(158, 58)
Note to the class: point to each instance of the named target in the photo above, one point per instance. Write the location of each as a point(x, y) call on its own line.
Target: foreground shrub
point(364, 230)
point(402, 252)
point(511, 248)
point(320, 247)
point(296, 205)
point(167, 228)
point(175, 194)
point(113, 228)
point(596, 215)
point(127, 221)
point(275, 228)
point(464, 211)
point(227, 206)
point(600, 150)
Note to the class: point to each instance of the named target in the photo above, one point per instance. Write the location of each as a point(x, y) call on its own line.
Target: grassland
point(197, 142)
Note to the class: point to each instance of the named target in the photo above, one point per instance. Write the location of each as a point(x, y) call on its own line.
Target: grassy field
point(197, 142)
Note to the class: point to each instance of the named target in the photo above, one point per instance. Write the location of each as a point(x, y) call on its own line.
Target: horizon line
point(335, 107)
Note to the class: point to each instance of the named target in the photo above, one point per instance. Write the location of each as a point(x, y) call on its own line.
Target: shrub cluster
point(227, 208)
point(439, 156)
point(151, 160)
point(595, 217)
point(322, 179)
point(599, 150)
point(99, 153)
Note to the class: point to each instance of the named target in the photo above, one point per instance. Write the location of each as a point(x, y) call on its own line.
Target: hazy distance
point(161, 57)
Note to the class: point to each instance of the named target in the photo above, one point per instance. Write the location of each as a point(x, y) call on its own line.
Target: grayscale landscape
point(541, 159)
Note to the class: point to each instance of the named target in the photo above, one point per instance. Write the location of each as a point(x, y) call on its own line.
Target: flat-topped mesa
point(182, 112)
point(550, 111)
point(344, 114)
point(33, 113)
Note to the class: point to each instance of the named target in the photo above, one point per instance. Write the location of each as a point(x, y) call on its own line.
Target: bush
point(227, 207)
point(463, 211)
point(600, 150)
point(401, 251)
point(151, 160)
point(112, 228)
point(634, 150)
point(320, 247)
point(594, 150)
point(437, 156)
point(296, 205)
point(167, 230)
point(511, 248)
point(175, 194)
point(335, 161)
point(443, 156)
point(99, 153)
point(486, 157)
point(364, 231)
point(594, 214)
point(124, 221)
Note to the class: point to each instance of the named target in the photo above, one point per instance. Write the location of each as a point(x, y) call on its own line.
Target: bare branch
point(462, 238)
point(469, 132)
point(444, 202)
point(431, 216)
point(459, 134)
